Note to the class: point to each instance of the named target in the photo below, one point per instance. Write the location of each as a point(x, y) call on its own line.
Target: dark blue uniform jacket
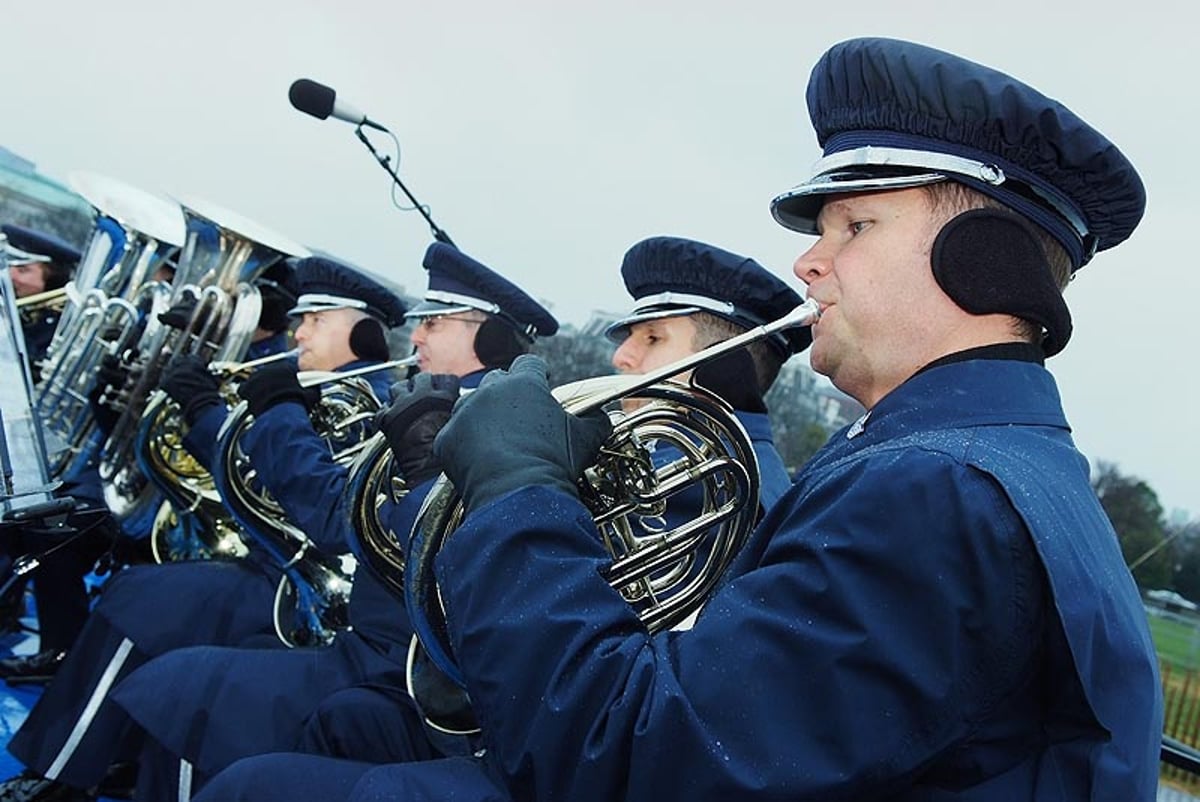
point(938, 609)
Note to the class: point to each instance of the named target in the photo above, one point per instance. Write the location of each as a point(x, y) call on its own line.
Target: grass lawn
point(1176, 642)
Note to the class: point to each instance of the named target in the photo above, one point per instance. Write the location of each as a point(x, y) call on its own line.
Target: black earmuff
point(497, 343)
point(368, 341)
point(990, 261)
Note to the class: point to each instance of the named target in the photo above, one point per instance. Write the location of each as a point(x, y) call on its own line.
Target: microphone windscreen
point(312, 98)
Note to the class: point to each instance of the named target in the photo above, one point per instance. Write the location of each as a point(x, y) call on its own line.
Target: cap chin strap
point(990, 261)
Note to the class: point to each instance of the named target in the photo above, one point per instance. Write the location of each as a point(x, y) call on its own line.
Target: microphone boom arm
point(385, 163)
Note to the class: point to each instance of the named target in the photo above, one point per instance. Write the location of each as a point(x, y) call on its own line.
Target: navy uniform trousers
point(75, 731)
point(204, 707)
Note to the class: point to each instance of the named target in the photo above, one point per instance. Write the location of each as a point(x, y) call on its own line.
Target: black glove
point(191, 385)
point(180, 313)
point(111, 373)
point(511, 433)
point(732, 376)
point(420, 408)
point(274, 384)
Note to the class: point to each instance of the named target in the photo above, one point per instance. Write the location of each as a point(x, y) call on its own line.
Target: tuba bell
point(312, 597)
point(222, 254)
point(665, 570)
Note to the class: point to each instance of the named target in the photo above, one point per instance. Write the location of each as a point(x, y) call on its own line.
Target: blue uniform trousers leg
point(163, 777)
point(210, 706)
point(311, 778)
point(375, 723)
point(282, 777)
point(461, 779)
point(74, 732)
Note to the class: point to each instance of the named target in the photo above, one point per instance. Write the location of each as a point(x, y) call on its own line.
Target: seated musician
point(74, 733)
point(203, 707)
point(90, 532)
point(687, 296)
point(38, 262)
point(938, 609)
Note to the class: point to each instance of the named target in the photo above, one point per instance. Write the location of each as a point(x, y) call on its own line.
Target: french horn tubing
point(311, 599)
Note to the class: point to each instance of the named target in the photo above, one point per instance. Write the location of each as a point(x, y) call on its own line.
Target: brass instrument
point(104, 309)
point(50, 299)
point(312, 597)
point(665, 572)
point(222, 254)
point(192, 523)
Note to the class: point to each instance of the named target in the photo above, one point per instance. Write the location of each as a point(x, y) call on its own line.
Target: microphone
point(321, 102)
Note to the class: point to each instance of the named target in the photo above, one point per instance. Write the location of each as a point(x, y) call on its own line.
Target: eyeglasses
point(431, 322)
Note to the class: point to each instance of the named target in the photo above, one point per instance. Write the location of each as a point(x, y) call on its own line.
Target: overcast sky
point(547, 137)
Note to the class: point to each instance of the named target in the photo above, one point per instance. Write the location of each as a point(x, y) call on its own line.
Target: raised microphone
point(321, 102)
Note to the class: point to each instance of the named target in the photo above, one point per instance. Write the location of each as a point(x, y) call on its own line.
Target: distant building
point(31, 199)
point(598, 323)
point(835, 407)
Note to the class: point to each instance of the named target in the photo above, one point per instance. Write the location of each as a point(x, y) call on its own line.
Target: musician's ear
point(990, 261)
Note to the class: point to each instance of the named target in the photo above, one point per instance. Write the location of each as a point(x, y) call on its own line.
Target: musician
point(74, 733)
point(209, 705)
point(687, 296)
point(60, 587)
point(38, 262)
point(938, 608)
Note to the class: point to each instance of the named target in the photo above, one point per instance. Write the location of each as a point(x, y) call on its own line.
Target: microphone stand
point(386, 163)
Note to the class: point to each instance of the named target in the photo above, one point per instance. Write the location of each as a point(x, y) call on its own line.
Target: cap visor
point(618, 330)
point(433, 308)
point(799, 207)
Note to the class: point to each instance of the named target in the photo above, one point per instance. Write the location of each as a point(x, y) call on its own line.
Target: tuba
point(222, 254)
point(104, 309)
point(664, 570)
point(313, 594)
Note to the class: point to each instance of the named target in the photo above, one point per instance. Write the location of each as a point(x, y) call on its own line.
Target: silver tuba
point(664, 571)
point(313, 594)
point(107, 301)
point(223, 252)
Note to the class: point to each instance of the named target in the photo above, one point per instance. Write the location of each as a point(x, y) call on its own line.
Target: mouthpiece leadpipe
point(234, 368)
point(311, 378)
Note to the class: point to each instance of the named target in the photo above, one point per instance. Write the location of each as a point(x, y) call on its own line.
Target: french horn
point(664, 568)
point(312, 597)
point(193, 522)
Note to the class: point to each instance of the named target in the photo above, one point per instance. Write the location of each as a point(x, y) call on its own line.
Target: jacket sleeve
point(296, 467)
point(869, 635)
point(201, 439)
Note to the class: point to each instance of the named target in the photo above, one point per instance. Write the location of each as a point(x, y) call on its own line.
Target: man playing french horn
point(938, 609)
point(74, 733)
point(201, 708)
